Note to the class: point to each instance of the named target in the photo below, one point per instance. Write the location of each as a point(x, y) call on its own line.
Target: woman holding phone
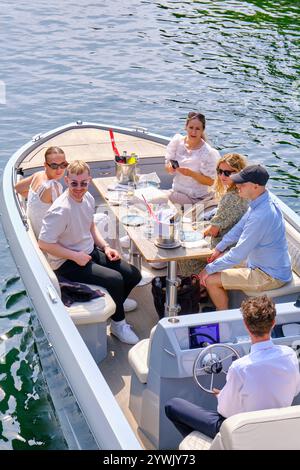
point(192, 161)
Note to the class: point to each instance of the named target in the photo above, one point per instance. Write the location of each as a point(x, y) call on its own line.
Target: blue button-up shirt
point(260, 239)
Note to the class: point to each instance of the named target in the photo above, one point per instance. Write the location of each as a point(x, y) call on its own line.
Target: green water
point(146, 63)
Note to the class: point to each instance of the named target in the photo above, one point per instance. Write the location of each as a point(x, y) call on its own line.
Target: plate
point(133, 220)
point(114, 197)
point(167, 246)
point(191, 236)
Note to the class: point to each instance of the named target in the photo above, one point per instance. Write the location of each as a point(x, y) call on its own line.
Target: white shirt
point(202, 160)
point(68, 223)
point(36, 208)
point(266, 378)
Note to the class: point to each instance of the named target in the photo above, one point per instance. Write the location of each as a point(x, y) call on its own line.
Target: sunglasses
point(224, 172)
point(55, 166)
point(82, 184)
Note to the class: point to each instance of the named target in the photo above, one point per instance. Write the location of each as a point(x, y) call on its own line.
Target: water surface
point(144, 63)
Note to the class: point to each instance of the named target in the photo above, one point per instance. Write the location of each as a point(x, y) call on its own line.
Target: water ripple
point(145, 62)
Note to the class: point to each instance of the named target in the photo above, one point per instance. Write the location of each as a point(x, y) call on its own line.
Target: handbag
point(189, 294)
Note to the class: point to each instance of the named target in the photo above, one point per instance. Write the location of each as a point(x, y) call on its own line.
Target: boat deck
point(115, 368)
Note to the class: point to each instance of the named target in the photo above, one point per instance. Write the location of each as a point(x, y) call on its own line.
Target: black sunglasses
point(224, 172)
point(55, 166)
point(82, 184)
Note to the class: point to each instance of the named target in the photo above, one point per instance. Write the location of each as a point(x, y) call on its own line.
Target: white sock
point(118, 323)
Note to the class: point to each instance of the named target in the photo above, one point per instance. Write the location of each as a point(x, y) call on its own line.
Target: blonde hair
point(236, 161)
point(78, 167)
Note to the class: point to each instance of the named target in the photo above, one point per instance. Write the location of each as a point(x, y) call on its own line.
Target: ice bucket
point(125, 172)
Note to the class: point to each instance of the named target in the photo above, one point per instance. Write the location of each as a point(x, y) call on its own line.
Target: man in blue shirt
point(260, 241)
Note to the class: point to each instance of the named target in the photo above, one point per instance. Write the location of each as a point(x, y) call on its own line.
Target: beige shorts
point(248, 279)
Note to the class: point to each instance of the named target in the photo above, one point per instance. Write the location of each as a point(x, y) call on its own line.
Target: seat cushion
point(138, 357)
point(94, 311)
point(291, 287)
point(276, 429)
point(293, 240)
point(195, 441)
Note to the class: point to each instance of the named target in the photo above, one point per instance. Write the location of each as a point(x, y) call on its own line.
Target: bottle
point(124, 157)
point(132, 159)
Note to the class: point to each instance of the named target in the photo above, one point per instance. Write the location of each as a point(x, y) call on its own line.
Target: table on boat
point(146, 246)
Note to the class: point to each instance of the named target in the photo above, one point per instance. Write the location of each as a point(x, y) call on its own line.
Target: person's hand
point(81, 258)
point(202, 277)
point(215, 254)
point(211, 230)
point(216, 391)
point(112, 254)
point(170, 169)
point(185, 171)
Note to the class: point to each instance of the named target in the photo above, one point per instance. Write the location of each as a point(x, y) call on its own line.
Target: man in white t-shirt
point(266, 378)
point(77, 251)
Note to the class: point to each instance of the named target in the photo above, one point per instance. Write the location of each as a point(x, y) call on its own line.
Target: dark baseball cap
point(256, 174)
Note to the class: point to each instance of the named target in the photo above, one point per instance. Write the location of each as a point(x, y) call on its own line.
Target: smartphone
point(174, 164)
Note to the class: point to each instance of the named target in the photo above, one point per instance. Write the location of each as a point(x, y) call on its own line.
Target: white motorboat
point(104, 400)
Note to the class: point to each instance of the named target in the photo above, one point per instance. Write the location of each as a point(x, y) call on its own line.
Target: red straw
point(150, 209)
point(113, 144)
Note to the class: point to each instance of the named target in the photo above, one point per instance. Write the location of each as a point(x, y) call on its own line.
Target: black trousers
point(188, 417)
point(118, 277)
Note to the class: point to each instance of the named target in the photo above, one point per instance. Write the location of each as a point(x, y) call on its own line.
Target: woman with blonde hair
point(231, 207)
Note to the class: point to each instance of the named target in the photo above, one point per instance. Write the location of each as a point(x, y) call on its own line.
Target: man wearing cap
point(260, 241)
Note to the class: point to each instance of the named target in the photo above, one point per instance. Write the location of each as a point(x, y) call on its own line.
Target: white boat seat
point(275, 429)
point(139, 356)
point(82, 313)
point(196, 441)
point(292, 287)
point(93, 311)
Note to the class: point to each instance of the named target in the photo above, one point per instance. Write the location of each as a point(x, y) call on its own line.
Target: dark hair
point(195, 115)
point(259, 314)
point(55, 150)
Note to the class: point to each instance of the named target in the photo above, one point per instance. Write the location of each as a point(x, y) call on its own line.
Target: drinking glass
point(137, 176)
point(130, 190)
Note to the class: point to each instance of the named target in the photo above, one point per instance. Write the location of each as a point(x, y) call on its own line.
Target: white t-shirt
point(266, 378)
point(68, 223)
point(36, 208)
point(202, 160)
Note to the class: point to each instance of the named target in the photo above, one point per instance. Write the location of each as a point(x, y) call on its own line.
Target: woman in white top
point(43, 187)
point(195, 170)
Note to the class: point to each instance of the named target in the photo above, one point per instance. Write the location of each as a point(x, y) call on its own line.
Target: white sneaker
point(125, 242)
point(126, 257)
point(123, 332)
point(129, 305)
